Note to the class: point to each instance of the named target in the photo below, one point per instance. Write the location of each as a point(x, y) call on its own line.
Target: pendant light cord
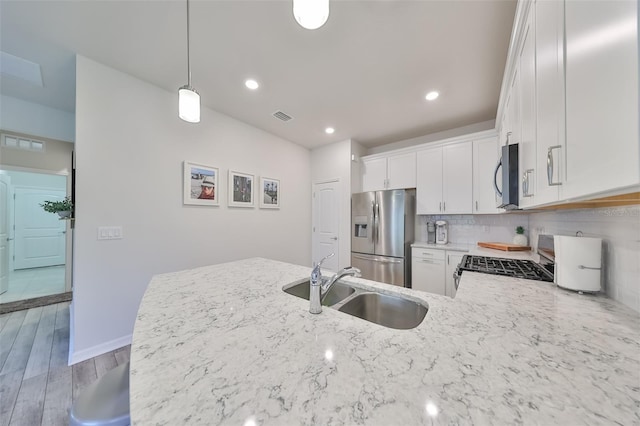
point(188, 55)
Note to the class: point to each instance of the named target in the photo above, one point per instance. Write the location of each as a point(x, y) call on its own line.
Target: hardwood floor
point(36, 385)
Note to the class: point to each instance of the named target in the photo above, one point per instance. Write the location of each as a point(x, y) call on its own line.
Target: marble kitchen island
point(223, 344)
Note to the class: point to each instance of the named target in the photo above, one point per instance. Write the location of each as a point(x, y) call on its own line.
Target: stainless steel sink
point(338, 292)
point(389, 311)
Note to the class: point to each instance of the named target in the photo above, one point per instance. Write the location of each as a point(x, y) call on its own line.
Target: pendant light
point(188, 98)
point(311, 14)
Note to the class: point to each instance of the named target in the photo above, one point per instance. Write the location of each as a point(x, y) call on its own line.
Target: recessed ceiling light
point(251, 84)
point(432, 96)
point(329, 130)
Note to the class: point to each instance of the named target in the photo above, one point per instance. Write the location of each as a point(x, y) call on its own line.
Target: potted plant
point(64, 208)
point(520, 239)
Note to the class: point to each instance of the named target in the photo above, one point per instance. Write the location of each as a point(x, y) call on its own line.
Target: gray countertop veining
point(223, 344)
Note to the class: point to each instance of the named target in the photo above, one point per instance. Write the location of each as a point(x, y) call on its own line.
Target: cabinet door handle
point(440, 206)
point(476, 206)
point(588, 267)
point(525, 183)
point(444, 206)
point(550, 165)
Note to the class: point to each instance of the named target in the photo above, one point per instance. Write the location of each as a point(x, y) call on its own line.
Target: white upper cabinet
point(429, 181)
point(396, 171)
point(457, 185)
point(401, 171)
point(485, 158)
point(374, 174)
point(601, 97)
point(527, 147)
point(550, 149)
point(574, 68)
point(445, 179)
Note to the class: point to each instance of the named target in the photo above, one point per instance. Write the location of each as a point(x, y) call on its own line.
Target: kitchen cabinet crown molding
point(427, 145)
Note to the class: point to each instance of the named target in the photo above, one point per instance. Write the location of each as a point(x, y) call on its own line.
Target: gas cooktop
point(516, 268)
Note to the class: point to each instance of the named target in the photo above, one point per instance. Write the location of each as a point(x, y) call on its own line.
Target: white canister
point(578, 263)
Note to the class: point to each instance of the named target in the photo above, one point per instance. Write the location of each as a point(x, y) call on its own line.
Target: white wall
point(619, 229)
point(357, 151)
point(56, 158)
point(332, 162)
point(21, 116)
point(434, 137)
point(130, 145)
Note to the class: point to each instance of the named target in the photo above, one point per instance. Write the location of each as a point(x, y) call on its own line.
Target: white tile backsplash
point(469, 229)
point(619, 228)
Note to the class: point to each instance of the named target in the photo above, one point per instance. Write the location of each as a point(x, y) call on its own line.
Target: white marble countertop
point(224, 344)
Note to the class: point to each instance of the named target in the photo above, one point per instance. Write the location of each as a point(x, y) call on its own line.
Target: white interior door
point(39, 235)
point(326, 223)
point(5, 184)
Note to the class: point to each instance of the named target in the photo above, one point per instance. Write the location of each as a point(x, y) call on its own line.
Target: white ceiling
point(365, 72)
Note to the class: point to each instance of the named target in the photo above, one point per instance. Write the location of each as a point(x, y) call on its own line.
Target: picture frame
point(269, 193)
point(241, 189)
point(200, 184)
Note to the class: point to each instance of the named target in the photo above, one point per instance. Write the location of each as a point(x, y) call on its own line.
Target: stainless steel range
point(516, 268)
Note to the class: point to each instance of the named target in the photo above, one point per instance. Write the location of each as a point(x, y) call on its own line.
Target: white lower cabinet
point(453, 259)
point(427, 270)
point(432, 270)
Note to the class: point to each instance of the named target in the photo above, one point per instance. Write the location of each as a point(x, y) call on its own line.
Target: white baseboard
point(100, 349)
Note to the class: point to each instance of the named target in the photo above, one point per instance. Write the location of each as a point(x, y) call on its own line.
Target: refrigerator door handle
point(373, 224)
point(377, 259)
point(377, 223)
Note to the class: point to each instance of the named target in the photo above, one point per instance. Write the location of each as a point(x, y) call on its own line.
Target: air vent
point(282, 116)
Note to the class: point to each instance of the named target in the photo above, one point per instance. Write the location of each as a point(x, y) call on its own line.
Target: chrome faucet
point(320, 287)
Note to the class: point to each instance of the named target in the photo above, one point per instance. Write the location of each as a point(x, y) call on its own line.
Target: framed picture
point(240, 189)
point(269, 193)
point(200, 184)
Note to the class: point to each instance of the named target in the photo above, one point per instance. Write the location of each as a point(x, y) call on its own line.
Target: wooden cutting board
point(504, 246)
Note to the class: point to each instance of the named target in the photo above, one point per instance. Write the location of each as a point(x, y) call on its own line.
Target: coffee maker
point(431, 233)
point(442, 232)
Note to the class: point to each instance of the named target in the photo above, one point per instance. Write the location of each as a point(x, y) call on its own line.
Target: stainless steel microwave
point(508, 192)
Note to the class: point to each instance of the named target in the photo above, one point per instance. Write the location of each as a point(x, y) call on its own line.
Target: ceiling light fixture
point(329, 130)
point(432, 96)
point(251, 84)
point(188, 98)
point(311, 14)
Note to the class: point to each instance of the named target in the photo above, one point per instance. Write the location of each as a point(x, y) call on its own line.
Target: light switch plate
point(110, 233)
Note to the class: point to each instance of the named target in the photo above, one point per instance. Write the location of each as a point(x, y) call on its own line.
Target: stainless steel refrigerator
point(382, 230)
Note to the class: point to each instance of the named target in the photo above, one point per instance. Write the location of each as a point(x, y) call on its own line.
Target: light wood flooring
point(36, 385)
